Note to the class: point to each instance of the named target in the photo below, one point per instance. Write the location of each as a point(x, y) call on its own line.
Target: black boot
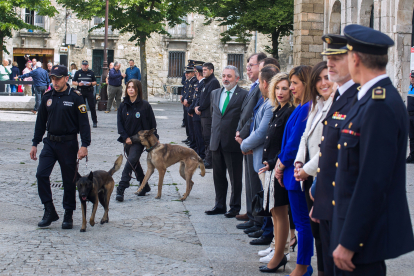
point(146, 189)
point(49, 216)
point(67, 220)
point(410, 159)
point(120, 193)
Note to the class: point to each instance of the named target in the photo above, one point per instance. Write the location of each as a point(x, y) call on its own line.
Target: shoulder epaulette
point(77, 92)
point(378, 93)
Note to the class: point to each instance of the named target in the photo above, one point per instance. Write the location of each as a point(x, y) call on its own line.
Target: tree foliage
point(140, 18)
point(242, 17)
point(11, 20)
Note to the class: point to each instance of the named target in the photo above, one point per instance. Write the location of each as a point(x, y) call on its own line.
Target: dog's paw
point(138, 191)
point(183, 198)
point(104, 221)
point(83, 230)
point(92, 223)
point(158, 197)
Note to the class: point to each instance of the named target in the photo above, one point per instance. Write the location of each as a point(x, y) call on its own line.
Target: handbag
point(19, 88)
point(257, 206)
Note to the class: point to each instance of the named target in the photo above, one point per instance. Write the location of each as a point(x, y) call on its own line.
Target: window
point(237, 61)
point(176, 63)
point(179, 30)
point(97, 20)
point(33, 19)
point(29, 17)
point(371, 17)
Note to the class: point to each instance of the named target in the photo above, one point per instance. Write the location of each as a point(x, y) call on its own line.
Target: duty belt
point(61, 138)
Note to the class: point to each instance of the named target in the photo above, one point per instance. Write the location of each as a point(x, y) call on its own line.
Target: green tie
point(226, 102)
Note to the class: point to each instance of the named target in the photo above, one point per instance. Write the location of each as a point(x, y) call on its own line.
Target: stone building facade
point(313, 18)
point(67, 40)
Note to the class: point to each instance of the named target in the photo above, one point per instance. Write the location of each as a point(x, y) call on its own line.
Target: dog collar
point(151, 148)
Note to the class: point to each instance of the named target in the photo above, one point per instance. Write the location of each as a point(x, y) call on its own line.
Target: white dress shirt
point(344, 87)
point(223, 96)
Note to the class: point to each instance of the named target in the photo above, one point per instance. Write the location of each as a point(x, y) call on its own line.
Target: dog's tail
point(116, 166)
point(202, 167)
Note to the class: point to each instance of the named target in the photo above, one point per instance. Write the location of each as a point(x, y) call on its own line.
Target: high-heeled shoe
point(283, 263)
point(310, 270)
point(306, 274)
point(292, 247)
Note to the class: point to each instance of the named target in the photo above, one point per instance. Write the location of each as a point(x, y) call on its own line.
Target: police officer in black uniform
point(85, 80)
point(198, 134)
point(62, 113)
point(188, 91)
point(371, 220)
point(337, 61)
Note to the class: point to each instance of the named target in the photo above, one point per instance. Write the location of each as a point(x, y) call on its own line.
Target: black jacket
point(198, 87)
point(324, 190)
point(210, 84)
point(274, 135)
point(371, 215)
point(133, 117)
point(62, 113)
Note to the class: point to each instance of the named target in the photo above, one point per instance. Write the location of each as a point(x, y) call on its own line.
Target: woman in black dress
point(134, 114)
point(282, 99)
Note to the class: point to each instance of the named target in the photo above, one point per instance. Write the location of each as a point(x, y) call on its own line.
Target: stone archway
point(335, 19)
point(366, 15)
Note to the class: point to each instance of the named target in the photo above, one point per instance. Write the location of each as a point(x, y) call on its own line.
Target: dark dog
point(161, 156)
point(97, 185)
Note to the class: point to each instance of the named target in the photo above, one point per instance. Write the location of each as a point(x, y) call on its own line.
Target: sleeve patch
point(82, 108)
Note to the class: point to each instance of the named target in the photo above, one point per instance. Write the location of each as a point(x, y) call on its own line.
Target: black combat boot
point(67, 220)
point(146, 189)
point(49, 216)
point(120, 193)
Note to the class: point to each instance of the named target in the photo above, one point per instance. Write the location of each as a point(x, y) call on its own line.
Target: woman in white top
point(307, 158)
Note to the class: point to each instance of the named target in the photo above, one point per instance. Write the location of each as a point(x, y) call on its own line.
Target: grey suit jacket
point(223, 126)
point(247, 112)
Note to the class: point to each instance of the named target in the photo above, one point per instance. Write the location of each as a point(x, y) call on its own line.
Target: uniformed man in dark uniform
point(337, 61)
point(371, 220)
point(188, 91)
point(198, 134)
point(85, 80)
point(62, 113)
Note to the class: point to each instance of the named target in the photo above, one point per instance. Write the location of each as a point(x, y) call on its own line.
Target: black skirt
point(281, 195)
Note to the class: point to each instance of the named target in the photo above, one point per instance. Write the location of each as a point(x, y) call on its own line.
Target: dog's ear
point(78, 176)
point(151, 132)
point(90, 177)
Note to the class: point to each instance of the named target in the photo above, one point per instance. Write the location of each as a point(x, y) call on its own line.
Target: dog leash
point(133, 167)
point(77, 167)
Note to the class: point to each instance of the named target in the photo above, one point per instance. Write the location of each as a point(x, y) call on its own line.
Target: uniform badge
point(378, 93)
point(328, 40)
point(350, 124)
point(82, 108)
point(49, 102)
point(338, 116)
point(137, 115)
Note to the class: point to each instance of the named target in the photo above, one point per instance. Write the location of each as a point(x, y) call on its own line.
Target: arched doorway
point(366, 13)
point(335, 20)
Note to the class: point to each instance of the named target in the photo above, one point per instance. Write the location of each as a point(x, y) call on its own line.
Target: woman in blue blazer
point(284, 170)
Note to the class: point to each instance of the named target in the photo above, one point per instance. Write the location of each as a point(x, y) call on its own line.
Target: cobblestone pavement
point(144, 236)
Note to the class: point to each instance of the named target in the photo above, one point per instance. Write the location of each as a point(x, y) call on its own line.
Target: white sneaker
point(267, 258)
point(265, 252)
point(287, 256)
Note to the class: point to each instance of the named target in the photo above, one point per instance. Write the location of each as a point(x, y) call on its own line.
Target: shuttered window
point(176, 64)
point(237, 61)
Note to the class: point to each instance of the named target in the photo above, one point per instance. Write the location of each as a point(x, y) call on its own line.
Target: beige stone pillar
point(308, 29)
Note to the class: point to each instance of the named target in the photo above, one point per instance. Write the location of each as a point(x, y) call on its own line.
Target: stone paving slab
point(144, 236)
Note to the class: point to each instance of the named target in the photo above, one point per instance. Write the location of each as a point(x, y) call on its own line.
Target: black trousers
point(373, 269)
point(198, 135)
point(133, 152)
point(325, 229)
point(231, 162)
point(314, 226)
point(66, 154)
point(88, 95)
point(191, 132)
point(185, 121)
point(206, 130)
point(411, 135)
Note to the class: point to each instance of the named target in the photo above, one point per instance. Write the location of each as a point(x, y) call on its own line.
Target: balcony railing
point(35, 20)
point(178, 30)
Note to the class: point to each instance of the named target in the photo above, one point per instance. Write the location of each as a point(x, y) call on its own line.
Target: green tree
point(140, 18)
point(242, 17)
point(10, 19)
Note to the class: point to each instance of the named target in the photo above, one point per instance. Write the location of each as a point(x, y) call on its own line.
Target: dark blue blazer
point(198, 87)
point(322, 206)
point(371, 215)
point(294, 129)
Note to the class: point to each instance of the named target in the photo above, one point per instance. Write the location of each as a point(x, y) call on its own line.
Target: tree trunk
point(143, 58)
point(275, 44)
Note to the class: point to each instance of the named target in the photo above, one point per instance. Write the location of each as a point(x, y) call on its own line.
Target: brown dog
point(161, 156)
point(97, 185)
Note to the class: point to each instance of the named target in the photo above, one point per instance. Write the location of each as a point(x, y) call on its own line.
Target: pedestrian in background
point(34, 64)
point(14, 73)
point(4, 73)
point(41, 82)
point(27, 87)
point(133, 72)
point(49, 67)
point(115, 86)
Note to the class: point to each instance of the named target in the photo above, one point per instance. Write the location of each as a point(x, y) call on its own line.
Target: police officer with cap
point(371, 220)
point(85, 80)
point(188, 90)
point(337, 60)
point(62, 113)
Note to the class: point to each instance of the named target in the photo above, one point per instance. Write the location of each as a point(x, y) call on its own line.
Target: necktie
point(253, 87)
point(226, 102)
point(336, 95)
